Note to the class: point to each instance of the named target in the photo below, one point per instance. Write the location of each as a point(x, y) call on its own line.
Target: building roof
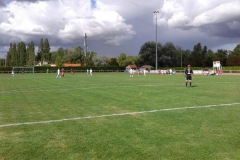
point(147, 66)
point(71, 65)
point(133, 66)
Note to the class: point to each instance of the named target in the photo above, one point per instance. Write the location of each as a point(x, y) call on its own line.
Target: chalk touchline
point(117, 114)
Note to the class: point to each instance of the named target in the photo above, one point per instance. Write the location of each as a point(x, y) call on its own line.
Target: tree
point(101, 60)
point(165, 61)
point(169, 54)
point(60, 52)
point(31, 54)
point(203, 53)
point(182, 57)
point(70, 55)
point(40, 50)
point(147, 53)
point(236, 50)
point(73, 55)
point(59, 61)
point(121, 59)
point(22, 53)
point(196, 57)
point(113, 62)
point(8, 59)
point(46, 55)
point(222, 56)
point(2, 62)
point(88, 59)
point(13, 54)
point(234, 57)
point(131, 60)
point(233, 60)
point(81, 55)
point(54, 55)
point(186, 55)
point(209, 58)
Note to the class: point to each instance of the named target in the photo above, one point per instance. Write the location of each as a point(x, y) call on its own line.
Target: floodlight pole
point(6, 61)
point(85, 43)
point(156, 13)
point(181, 58)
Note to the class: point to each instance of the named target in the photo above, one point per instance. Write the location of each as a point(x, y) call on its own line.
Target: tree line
point(171, 56)
point(168, 55)
point(21, 54)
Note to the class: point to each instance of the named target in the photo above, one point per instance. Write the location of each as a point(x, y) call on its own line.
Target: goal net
point(23, 69)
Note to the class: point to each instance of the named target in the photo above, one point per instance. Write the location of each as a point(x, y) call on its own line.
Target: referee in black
point(188, 75)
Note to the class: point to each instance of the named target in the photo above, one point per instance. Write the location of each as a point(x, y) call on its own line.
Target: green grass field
point(113, 116)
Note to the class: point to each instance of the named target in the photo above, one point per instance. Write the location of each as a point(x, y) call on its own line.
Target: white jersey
point(144, 72)
point(90, 71)
point(131, 71)
point(58, 73)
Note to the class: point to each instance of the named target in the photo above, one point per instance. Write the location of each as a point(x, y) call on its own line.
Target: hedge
point(107, 68)
point(53, 69)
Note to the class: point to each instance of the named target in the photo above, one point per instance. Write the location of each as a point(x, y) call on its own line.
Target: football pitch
point(113, 116)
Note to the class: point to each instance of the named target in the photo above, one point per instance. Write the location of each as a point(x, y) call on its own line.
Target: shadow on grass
point(193, 86)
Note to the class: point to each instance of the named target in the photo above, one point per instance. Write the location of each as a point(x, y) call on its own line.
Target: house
point(146, 67)
point(44, 63)
point(131, 66)
point(67, 65)
point(71, 65)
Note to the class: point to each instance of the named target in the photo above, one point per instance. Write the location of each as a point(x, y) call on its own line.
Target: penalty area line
point(117, 114)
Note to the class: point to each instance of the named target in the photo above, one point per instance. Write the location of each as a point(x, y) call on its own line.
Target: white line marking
point(117, 114)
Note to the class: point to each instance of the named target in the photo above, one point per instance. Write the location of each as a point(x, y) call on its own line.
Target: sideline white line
point(118, 114)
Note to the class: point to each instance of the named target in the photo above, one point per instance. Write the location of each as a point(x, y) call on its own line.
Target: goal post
point(23, 69)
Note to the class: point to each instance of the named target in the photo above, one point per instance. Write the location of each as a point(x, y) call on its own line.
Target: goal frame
point(25, 69)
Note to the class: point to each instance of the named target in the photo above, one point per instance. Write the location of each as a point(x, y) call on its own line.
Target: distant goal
point(23, 69)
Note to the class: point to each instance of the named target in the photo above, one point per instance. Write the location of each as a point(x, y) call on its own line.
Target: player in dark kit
point(188, 75)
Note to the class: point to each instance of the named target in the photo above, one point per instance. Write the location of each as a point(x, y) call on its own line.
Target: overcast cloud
point(113, 27)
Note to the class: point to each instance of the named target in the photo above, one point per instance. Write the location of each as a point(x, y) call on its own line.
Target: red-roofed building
point(131, 66)
point(71, 65)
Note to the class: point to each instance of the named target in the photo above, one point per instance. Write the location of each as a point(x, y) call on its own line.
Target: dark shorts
point(189, 77)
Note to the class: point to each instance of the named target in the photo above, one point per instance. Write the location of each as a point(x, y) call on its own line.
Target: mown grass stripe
point(117, 114)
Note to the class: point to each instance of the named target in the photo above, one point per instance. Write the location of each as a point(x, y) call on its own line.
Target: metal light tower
point(85, 43)
point(6, 61)
point(156, 13)
point(181, 58)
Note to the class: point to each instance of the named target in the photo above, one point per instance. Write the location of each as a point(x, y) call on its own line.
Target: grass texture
point(37, 114)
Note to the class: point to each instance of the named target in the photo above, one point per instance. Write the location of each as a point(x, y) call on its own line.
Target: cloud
point(64, 21)
point(122, 26)
point(2, 3)
point(30, 0)
point(215, 17)
point(134, 8)
point(101, 23)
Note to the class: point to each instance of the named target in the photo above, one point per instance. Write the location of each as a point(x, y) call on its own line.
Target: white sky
point(120, 26)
